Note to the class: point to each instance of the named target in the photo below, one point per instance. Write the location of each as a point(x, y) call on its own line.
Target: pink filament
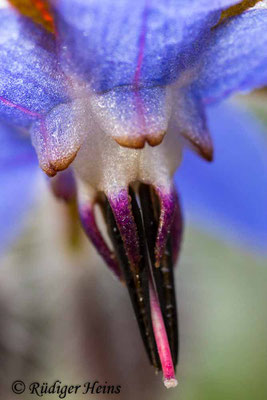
point(161, 339)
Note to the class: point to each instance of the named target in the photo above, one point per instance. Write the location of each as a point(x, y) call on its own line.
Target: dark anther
point(145, 208)
point(163, 276)
point(137, 283)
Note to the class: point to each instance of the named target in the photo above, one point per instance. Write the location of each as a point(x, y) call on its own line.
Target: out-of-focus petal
point(113, 43)
point(236, 57)
point(18, 169)
point(230, 195)
point(63, 185)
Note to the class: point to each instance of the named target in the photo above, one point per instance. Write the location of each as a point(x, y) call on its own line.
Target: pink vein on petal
point(142, 42)
point(30, 113)
point(20, 108)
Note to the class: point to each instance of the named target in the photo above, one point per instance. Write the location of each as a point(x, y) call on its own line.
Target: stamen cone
point(140, 223)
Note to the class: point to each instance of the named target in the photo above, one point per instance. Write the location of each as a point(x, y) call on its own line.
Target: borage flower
point(118, 91)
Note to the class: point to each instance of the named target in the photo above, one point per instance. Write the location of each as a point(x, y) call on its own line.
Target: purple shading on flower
point(87, 215)
point(63, 185)
point(168, 206)
point(122, 210)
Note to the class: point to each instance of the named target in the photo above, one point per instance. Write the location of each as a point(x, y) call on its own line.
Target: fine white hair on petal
point(57, 137)
point(105, 165)
point(133, 117)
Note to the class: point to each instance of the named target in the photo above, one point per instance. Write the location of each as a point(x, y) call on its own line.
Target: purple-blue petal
point(190, 121)
point(133, 117)
point(18, 169)
point(236, 57)
point(31, 83)
point(114, 43)
point(229, 196)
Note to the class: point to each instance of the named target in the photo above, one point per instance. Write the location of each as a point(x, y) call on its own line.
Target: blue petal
point(190, 121)
point(18, 168)
point(34, 92)
point(30, 82)
point(133, 117)
point(236, 58)
point(57, 137)
point(230, 195)
point(113, 43)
